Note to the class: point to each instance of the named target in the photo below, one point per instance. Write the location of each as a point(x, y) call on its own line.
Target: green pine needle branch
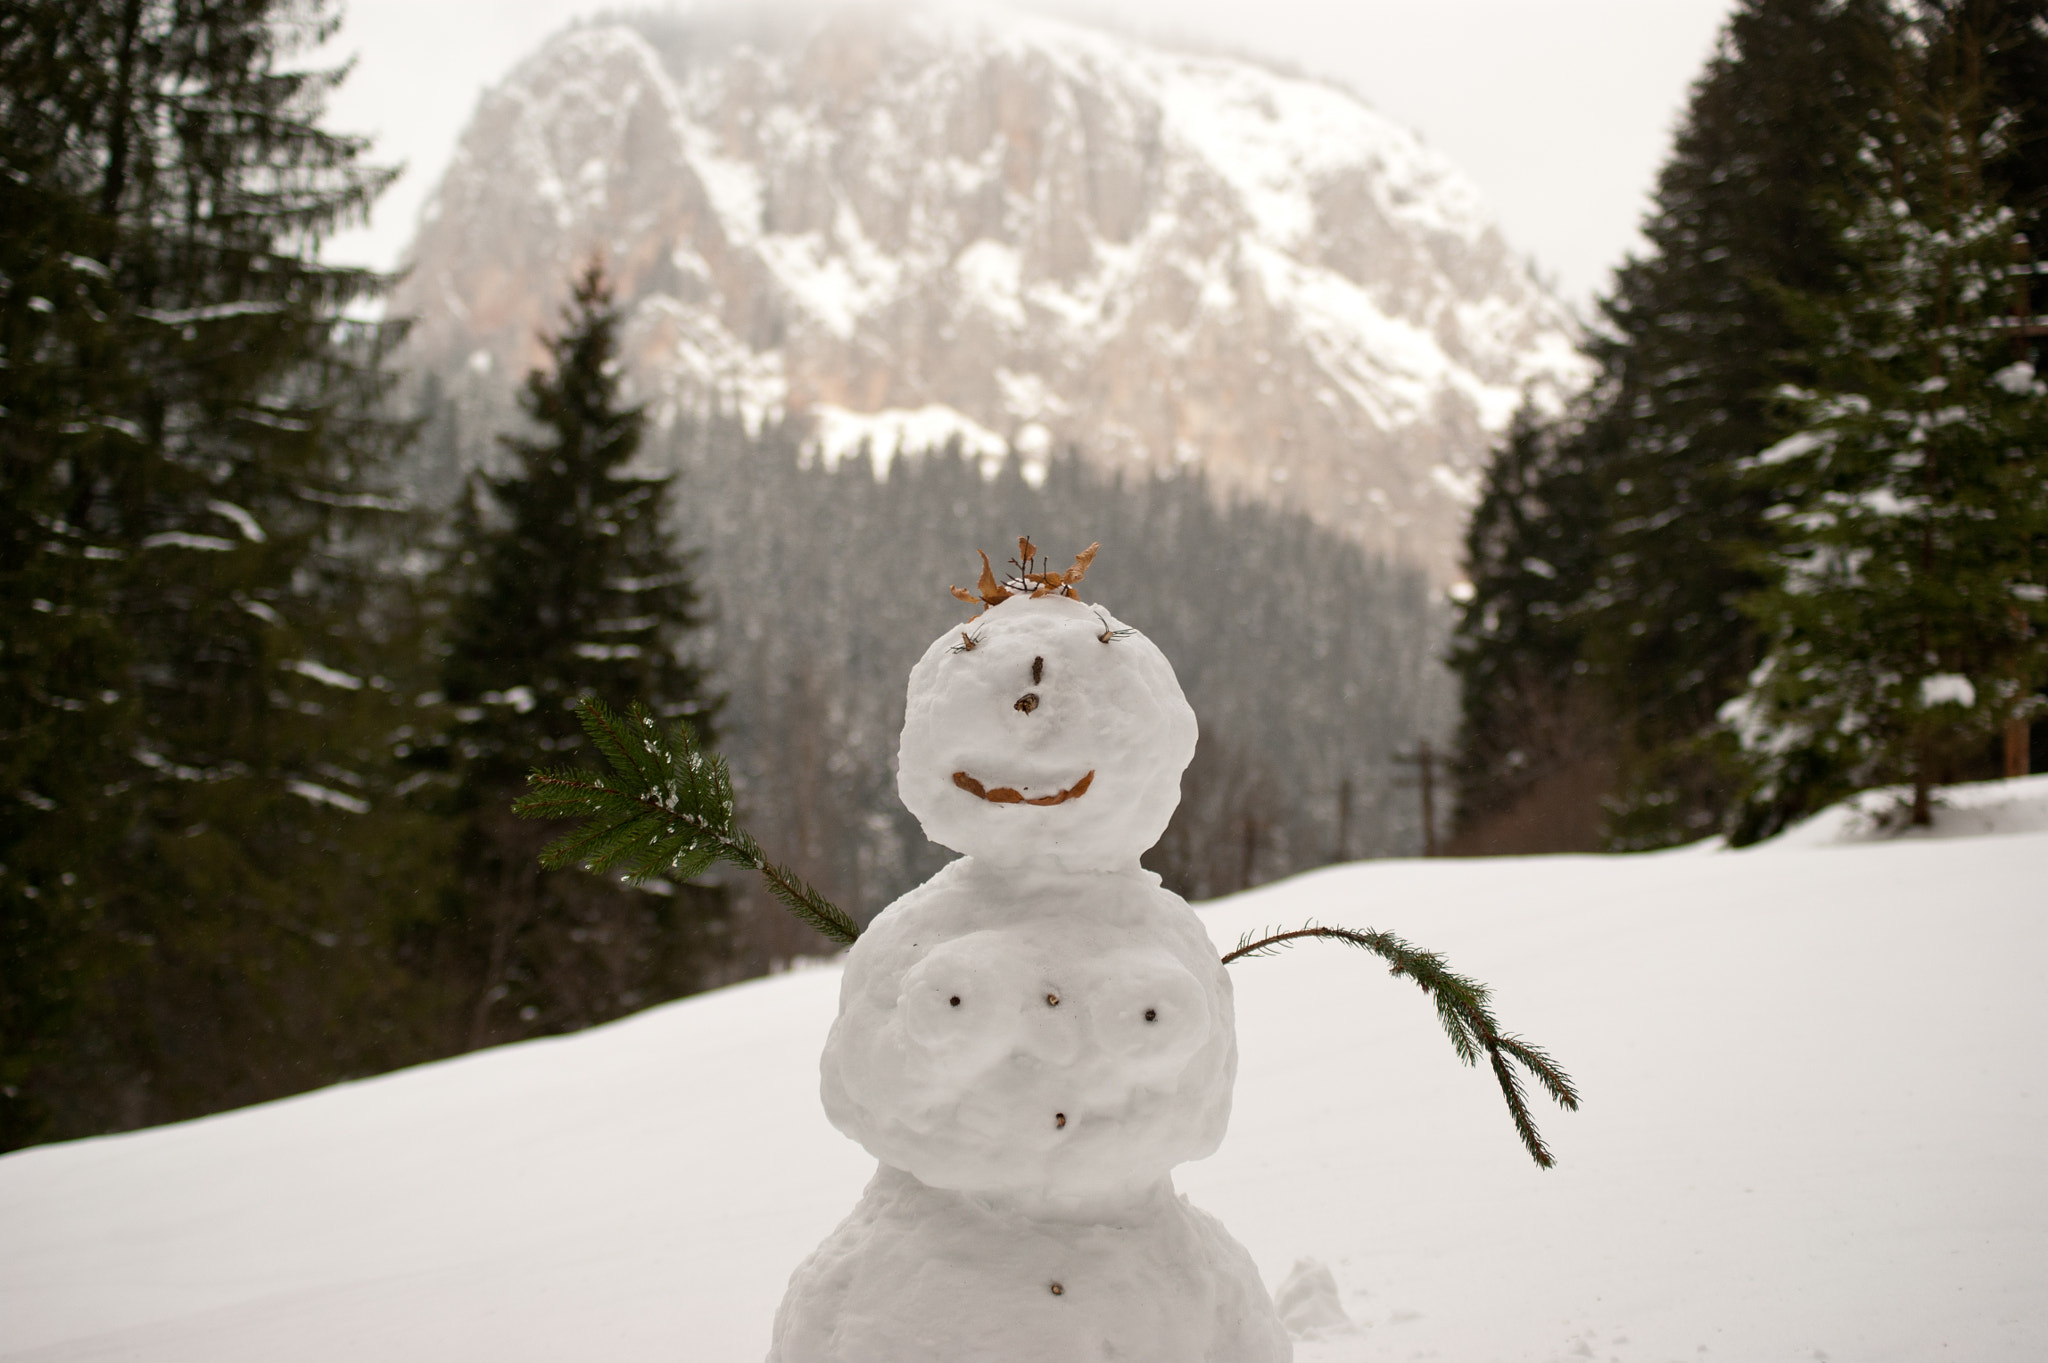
point(1462, 1007)
point(665, 809)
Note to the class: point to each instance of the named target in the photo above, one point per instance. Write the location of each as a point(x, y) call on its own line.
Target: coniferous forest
point(278, 653)
point(1793, 539)
point(283, 628)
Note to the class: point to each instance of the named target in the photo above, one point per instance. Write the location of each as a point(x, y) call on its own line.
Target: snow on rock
point(1805, 1134)
point(859, 212)
point(839, 434)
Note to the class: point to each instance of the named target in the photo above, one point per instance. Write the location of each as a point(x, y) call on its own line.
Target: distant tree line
point(276, 657)
point(1307, 661)
point(1794, 539)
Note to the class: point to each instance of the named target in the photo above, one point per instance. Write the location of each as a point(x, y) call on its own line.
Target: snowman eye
point(1109, 633)
point(1037, 671)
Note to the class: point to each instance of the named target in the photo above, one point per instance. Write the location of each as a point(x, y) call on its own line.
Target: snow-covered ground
point(1813, 1130)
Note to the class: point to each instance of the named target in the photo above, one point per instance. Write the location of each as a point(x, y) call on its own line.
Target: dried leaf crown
point(1029, 579)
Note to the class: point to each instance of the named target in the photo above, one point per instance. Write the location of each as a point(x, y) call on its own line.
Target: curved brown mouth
point(1004, 795)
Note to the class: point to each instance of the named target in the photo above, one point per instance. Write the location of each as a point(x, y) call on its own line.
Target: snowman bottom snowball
point(919, 1275)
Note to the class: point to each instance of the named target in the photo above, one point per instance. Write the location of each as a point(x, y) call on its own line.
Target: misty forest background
point(283, 633)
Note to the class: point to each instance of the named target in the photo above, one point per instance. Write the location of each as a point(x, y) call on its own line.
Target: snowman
point(1030, 1041)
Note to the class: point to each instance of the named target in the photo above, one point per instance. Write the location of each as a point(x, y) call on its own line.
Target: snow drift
point(1811, 1131)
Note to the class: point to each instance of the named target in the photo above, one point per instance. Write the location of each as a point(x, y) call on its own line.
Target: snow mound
point(1309, 1304)
point(1805, 1133)
point(1973, 810)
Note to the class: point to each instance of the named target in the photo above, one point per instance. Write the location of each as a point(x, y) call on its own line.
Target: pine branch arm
point(1463, 1006)
point(666, 809)
point(807, 904)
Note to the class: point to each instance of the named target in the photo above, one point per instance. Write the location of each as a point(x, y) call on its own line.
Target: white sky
point(1561, 110)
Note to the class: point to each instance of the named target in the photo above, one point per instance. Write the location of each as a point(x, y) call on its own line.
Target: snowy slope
point(1812, 1132)
point(1022, 229)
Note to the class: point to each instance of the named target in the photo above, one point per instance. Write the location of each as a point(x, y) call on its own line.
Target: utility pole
point(1343, 820)
point(1251, 852)
point(1425, 759)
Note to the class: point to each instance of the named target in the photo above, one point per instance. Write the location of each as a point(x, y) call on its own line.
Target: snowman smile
point(1009, 795)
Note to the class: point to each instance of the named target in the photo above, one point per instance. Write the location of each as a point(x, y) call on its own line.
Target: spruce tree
point(1693, 341)
point(1905, 618)
point(1528, 714)
point(196, 846)
point(571, 588)
point(1695, 344)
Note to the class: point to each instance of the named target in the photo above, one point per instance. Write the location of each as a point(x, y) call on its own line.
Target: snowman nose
point(1028, 702)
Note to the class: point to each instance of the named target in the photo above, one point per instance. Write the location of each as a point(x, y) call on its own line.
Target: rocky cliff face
point(899, 224)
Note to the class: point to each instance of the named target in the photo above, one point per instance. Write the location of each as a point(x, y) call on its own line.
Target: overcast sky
point(1560, 110)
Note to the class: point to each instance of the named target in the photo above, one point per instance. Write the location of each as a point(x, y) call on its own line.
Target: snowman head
point(1045, 730)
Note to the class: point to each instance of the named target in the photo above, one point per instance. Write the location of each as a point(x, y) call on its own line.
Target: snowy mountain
point(1806, 1135)
point(900, 224)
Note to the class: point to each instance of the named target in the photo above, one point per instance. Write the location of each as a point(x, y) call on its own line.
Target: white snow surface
point(1814, 1101)
point(1965, 811)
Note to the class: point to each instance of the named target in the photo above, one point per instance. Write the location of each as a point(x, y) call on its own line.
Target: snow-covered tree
point(1528, 717)
point(1906, 623)
point(570, 585)
point(192, 458)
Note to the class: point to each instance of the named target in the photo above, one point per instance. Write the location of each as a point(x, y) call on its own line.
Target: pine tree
point(572, 588)
point(1906, 618)
point(1528, 715)
point(195, 849)
point(1694, 345)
